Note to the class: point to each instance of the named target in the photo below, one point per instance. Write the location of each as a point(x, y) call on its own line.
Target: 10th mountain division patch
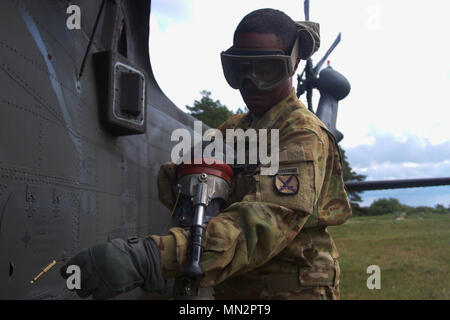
point(286, 181)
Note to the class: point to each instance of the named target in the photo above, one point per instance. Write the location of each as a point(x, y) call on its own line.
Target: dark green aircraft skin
point(67, 181)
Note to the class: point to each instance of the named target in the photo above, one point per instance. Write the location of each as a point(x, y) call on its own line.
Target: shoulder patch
point(287, 184)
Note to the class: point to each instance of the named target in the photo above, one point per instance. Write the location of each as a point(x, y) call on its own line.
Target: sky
point(395, 54)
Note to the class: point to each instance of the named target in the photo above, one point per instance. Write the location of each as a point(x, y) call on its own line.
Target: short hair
point(269, 21)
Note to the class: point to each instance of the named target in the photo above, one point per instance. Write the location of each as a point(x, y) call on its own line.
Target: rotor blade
point(320, 63)
point(309, 94)
point(300, 84)
point(306, 8)
point(395, 184)
point(303, 72)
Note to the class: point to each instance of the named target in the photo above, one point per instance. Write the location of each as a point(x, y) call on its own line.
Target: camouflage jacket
point(263, 231)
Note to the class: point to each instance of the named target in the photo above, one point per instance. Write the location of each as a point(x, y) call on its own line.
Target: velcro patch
point(287, 171)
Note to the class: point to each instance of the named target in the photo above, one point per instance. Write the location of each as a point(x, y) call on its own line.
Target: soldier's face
point(259, 101)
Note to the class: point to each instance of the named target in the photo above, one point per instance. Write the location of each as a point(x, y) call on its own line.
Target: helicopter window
point(122, 45)
point(129, 94)
point(121, 82)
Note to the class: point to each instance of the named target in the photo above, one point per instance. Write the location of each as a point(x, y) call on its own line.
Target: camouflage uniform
point(268, 245)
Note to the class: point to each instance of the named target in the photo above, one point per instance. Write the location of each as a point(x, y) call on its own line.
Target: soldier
point(271, 242)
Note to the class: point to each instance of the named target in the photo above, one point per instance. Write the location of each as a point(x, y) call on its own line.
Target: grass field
point(413, 255)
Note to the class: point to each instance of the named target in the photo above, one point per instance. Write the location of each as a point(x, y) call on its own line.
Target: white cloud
point(387, 149)
point(406, 170)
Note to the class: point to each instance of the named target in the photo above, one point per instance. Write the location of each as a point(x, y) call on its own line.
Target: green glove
point(118, 266)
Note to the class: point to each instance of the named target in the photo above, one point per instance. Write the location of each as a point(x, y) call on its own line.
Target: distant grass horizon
point(413, 255)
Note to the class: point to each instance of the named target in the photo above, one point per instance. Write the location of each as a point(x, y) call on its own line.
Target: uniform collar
point(270, 116)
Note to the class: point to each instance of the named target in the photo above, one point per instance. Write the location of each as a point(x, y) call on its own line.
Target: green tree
point(384, 206)
point(210, 112)
point(350, 175)
point(439, 208)
point(240, 111)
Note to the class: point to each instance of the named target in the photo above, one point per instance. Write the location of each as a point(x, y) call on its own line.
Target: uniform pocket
point(319, 276)
point(293, 186)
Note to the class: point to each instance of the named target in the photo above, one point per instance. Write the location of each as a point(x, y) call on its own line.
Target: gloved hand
point(118, 266)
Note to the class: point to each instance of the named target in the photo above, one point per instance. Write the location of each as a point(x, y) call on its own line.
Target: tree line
point(392, 205)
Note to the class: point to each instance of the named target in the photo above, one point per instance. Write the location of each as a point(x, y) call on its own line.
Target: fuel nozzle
point(205, 187)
